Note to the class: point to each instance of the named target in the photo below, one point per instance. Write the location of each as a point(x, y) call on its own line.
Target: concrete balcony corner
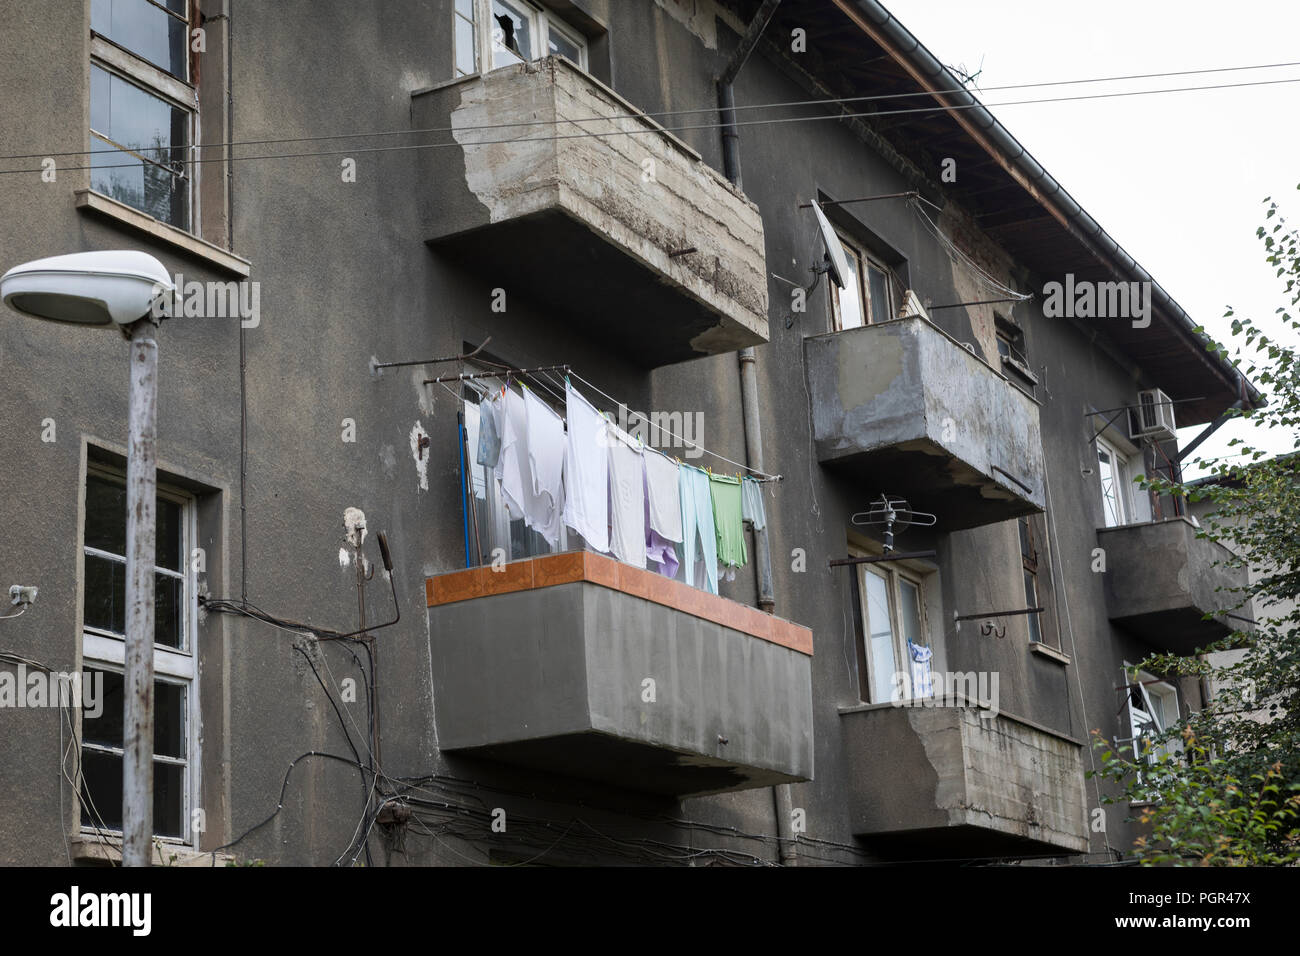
point(630, 236)
point(581, 666)
point(1161, 581)
point(903, 406)
point(958, 781)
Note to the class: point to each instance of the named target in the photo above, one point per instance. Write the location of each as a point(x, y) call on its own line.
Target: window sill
point(107, 851)
point(94, 202)
point(1051, 653)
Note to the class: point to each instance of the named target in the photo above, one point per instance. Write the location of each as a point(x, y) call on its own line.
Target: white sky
point(1177, 179)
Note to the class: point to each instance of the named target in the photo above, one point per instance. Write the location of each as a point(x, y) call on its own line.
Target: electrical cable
point(658, 130)
point(825, 101)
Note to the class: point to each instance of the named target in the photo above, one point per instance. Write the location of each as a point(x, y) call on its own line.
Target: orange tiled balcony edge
point(553, 569)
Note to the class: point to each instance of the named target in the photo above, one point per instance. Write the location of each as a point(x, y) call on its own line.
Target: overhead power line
point(829, 101)
point(941, 108)
point(661, 129)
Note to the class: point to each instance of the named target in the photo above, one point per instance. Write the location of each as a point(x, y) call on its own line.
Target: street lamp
point(119, 289)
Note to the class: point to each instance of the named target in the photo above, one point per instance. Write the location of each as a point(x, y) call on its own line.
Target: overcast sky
point(1177, 179)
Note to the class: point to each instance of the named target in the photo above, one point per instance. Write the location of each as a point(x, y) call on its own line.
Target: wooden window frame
point(181, 93)
point(106, 651)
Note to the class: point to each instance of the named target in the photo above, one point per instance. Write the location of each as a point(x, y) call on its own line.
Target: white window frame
point(902, 656)
point(1121, 479)
point(862, 262)
point(182, 93)
point(1145, 719)
point(541, 21)
point(104, 650)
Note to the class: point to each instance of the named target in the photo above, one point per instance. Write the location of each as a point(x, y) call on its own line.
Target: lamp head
point(114, 287)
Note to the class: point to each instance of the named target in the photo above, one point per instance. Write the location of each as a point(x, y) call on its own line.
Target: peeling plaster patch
point(354, 526)
point(388, 458)
point(421, 460)
point(344, 558)
point(422, 396)
point(415, 81)
point(697, 16)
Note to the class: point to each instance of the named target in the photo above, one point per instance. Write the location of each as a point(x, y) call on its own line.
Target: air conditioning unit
point(1152, 417)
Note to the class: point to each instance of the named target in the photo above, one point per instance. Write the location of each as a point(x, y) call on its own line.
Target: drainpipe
point(781, 799)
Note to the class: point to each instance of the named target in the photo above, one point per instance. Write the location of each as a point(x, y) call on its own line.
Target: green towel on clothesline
point(728, 520)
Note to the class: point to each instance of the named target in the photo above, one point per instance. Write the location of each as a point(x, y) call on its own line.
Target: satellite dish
point(894, 515)
point(836, 265)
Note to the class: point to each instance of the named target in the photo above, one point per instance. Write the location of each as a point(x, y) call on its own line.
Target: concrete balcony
point(906, 409)
point(548, 664)
point(1161, 581)
point(630, 237)
point(953, 782)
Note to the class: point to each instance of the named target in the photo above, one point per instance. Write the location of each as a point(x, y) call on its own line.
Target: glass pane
point(105, 594)
point(466, 55)
point(1031, 600)
point(105, 515)
point(168, 715)
point(1026, 551)
point(101, 789)
point(146, 30)
point(168, 799)
point(850, 297)
point(880, 639)
point(511, 34)
point(168, 611)
point(168, 719)
point(150, 126)
point(878, 289)
point(105, 729)
point(910, 610)
point(558, 43)
point(1108, 470)
point(465, 8)
point(170, 539)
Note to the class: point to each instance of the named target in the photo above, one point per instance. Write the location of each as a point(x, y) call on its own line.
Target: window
point(1012, 353)
point(103, 652)
point(895, 649)
point(1113, 471)
point(1029, 563)
point(143, 107)
point(465, 37)
point(518, 30)
point(871, 293)
point(1152, 709)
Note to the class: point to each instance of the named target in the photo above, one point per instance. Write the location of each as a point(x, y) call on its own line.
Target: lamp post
point(106, 289)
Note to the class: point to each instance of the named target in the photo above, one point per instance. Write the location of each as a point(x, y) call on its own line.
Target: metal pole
point(141, 496)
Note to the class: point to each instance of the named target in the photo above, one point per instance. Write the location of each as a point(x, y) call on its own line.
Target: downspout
point(781, 799)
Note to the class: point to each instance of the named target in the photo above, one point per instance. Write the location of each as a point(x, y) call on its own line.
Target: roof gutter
point(980, 124)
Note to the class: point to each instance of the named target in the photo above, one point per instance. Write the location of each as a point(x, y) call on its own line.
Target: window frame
point(902, 657)
point(1121, 479)
point(104, 651)
point(863, 261)
point(133, 68)
point(1028, 535)
point(1146, 684)
point(541, 20)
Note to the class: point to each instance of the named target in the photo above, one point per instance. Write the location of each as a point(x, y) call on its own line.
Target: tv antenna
point(895, 516)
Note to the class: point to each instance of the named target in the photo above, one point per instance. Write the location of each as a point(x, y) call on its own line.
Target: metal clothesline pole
point(499, 373)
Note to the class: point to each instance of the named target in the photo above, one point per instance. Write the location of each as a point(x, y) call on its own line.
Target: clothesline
point(764, 476)
point(507, 372)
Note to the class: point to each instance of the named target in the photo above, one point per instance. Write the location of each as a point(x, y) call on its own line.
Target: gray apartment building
point(770, 239)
